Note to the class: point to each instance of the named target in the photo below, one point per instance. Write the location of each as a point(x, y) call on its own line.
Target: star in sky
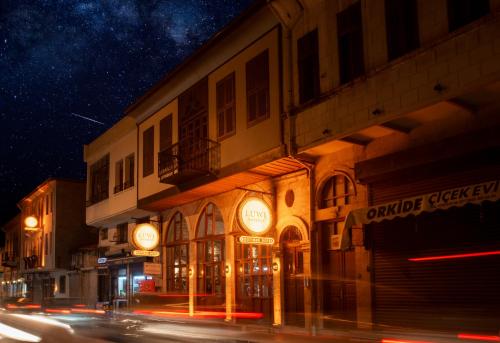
point(89, 57)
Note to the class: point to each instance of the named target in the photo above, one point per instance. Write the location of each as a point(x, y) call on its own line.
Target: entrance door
point(293, 269)
point(339, 284)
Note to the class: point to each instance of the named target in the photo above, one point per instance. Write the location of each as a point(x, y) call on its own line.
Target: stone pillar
point(277, 299)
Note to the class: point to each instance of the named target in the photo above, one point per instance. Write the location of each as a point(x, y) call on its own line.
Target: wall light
point(228, 269)
point(190, 272)
point(276, 266)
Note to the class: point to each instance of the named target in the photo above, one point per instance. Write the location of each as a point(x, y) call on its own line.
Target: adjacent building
point(51, 227)
point(111, 207)
point(11, 281)
point(316, 164)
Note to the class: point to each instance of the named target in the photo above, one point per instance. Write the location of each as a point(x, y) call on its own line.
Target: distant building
point(52, 227)
point(11, 282)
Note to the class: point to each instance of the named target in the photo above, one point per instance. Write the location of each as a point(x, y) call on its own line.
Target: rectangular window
point(401, 24)
point(119, 176)
point(226, 111)
point(463, 12)
point(308, 64)
point(46, 244)
point(122, 233)
point(148, 138)
point(350, 41)
point(166, 132)
point(99, 180)
point(47, 202)
point(257, 83)
point(129, 171)
point(51, 201)
point(62, 284)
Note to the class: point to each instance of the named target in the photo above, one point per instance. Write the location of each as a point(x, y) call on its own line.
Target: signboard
point(255, 215)
point(31, 224)
point(335, 242)
point(150, 253)
point(145, 236)
point(146, 286)
point(152, 268)
point(472, 194)
point(102, 260)
point(256, 240)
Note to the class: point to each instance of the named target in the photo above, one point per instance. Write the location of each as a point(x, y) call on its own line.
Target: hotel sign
point(256, 240)
point(255, 215)
point(145, 236)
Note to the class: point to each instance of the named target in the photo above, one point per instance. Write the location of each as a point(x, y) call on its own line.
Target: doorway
point(293, 272)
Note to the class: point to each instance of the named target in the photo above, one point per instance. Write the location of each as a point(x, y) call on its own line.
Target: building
point(396, 102)
point(112, 208)
point(321, 164)
point(52, 227)
point(10, 278)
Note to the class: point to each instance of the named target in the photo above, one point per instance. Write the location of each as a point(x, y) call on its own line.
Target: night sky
point(64, 59)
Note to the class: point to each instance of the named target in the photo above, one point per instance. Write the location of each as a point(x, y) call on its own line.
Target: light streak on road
point(13, 333)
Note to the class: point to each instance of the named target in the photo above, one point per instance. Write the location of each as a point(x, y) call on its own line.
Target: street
point(43, 327)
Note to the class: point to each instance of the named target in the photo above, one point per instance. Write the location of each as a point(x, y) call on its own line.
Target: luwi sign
point(255, 215)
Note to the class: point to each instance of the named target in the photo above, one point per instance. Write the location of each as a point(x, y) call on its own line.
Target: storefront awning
point(455, 197)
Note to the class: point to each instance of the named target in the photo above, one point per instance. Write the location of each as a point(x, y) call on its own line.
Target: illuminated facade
point(51, 227)
point(288, 162)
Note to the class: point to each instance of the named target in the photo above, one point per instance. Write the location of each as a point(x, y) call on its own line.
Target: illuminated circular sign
point(31, 222)
point(255, 215)
point(145, 236)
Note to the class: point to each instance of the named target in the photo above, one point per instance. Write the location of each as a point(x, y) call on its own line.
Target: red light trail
point(475, 337)
point(455, 256)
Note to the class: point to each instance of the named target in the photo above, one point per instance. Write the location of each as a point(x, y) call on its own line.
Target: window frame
point(257, 88)
point(174, 255)
point(148, 160)
point(205, 248)
point(222, 107)
point(308, 64)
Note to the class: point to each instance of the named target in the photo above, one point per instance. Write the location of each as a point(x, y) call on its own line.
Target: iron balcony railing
point(188, 159)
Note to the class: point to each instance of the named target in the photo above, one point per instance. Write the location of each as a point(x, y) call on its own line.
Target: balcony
point(187, 160)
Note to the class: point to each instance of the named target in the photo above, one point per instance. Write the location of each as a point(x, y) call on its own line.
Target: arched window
point(210, 252)
point(336, 191)
point(177, 255)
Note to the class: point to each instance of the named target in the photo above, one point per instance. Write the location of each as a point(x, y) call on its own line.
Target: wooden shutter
point(401, 27)
point(166, 132)
point(257, 84)
point(148, 152)
point(226, 114)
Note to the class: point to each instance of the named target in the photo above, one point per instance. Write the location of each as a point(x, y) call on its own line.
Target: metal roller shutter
point(453, 294)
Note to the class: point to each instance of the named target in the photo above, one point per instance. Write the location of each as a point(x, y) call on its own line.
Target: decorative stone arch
point(298, 222)
point(326, 178)
point(167, 222)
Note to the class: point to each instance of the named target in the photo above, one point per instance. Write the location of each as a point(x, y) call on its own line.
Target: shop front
point(435, 249)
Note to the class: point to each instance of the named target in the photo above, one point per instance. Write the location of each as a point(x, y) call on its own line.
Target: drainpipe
point(289, 52)
point(291, 152)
